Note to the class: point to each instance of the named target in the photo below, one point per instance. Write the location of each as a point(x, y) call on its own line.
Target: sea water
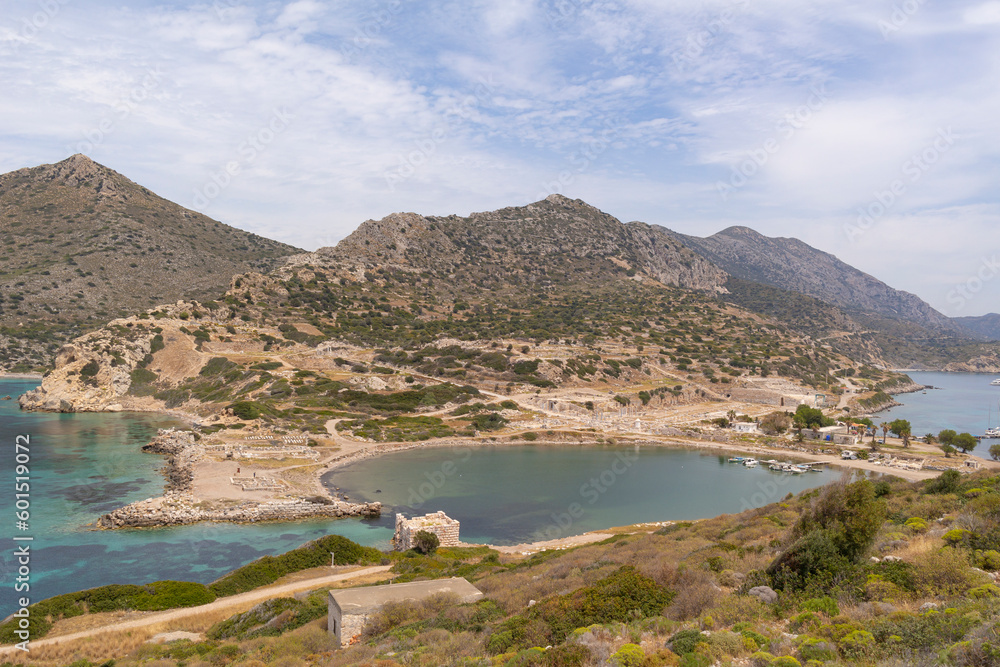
point(965, 402)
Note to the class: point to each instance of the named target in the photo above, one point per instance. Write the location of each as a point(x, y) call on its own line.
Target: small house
point(348, 609)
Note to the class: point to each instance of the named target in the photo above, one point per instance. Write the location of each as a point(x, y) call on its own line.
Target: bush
point(217, 366)
point(832, 536)
point(425, 542)
point(857, 644)
point(269, 569)
point(622, 596)
point(685, 641)
point(246, 410)
point(156, 596)
point(825, 605)
point(946, 482)
point(984, 592)
point(785, 661)
point(916, 524)
point(629, 655)
point(90, 369)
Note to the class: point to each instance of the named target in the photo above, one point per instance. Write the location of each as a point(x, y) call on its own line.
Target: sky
point(866, 128)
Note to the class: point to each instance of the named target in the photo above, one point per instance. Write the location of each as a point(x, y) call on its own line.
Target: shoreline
point(178, 505)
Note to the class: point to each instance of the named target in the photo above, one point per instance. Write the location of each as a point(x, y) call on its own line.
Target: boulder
point(765, 594)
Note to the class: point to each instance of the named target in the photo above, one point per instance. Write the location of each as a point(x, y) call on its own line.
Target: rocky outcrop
point(984, 364)
point(539, 243)
point(93, 372)
point(182, 452)
point(183, 509)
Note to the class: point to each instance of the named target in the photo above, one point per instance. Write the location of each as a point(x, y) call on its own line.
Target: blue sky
point(866, 128)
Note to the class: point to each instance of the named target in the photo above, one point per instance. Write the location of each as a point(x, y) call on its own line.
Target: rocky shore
point(179, 506)
point(181, 509)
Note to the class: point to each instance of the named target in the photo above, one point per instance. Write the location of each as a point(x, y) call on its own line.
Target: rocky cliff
point(551, 242)
point(790, 264)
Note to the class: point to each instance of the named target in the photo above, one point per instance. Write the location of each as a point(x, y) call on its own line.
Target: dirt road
point(242, 599)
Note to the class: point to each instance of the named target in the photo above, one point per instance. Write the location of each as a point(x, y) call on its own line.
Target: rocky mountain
point(790, 264)
point(553, 242)
point(83, 244)
point(986, 327)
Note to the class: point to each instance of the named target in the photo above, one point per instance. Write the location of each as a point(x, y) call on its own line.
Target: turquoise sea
point(965, 402)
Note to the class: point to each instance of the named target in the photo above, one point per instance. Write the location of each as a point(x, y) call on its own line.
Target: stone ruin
point(438, 523)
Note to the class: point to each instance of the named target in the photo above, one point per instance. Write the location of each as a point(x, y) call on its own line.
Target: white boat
point(750, 463)
point(996, 383)
point(992, 433)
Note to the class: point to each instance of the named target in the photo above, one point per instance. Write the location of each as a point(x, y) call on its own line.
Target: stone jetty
point(180, 509)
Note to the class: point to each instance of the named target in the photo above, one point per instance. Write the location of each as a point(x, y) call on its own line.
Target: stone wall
point(438, 523)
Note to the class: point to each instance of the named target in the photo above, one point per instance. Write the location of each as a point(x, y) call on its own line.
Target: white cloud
point(638, 106)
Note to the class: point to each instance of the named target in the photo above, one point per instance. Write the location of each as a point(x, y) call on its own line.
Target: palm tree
point(885, 430)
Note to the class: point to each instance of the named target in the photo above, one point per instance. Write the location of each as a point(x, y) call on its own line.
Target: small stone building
point(438, 523)
point(348, 609)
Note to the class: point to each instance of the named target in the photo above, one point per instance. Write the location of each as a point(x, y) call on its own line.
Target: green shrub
point(987, 560)
point(817, 649)
point(156, 344)
point(624, 595)
point(246, 410)
point(425, 542)
point(857, 644)
point(217, 366)
point(761, 659)
point(916, 524)
point(785, 661)
point(957, 536)
point(269, 569)
point(946, 482)
point(271, 618)
point(629, 655)
point(984, 592)
point(825, 605)
point(90, 369)
point(156, 596)
point(685, 641)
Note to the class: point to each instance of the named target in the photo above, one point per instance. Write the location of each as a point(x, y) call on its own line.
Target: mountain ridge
point(790, 263)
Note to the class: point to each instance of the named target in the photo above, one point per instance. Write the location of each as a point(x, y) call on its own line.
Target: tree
point(902, 428)
point(425, 542)
point(775, 422)
point(965, 442)
point(885, 430)
point(947, 437)
point(831, 537)
point(948, 450)
point(995, 452)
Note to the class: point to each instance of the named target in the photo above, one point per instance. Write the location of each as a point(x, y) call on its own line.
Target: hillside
point(986, 327)
point(556, 242)
point(792, 265)
point(83, 244)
